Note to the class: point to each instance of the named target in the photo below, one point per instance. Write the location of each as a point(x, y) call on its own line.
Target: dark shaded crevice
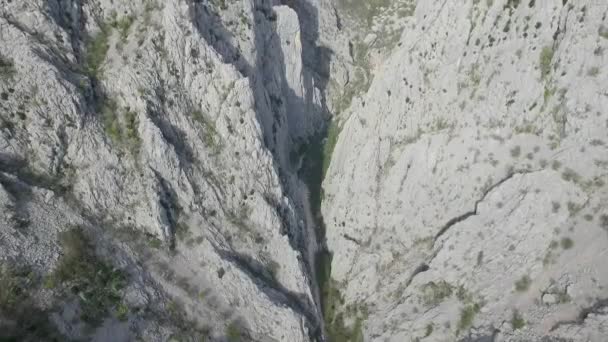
point(420, 269)
point(491, 337)
point(275, 291)
point(171, 134)
point(598, 307)
point(473, 212)
point(167, 198)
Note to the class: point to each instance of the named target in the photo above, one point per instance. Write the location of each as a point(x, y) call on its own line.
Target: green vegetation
point(566, 243)
point(517, 321)
point(20, 319)
point(333, 131)
point(210, 136)
point(467, 316)
point(7, 68)
point(593, 71)
point(13, 287)
point(97, 285)
point(96, 51)
point(546, 57)
point(516, 152)
point(332, 302)
point(234, 333)
point(121, 125)
point(523, 284)
point(428, 330)
point(603, 32)
point(123, 26)
point(435, 293)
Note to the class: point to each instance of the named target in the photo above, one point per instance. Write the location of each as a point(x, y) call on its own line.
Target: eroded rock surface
point(466, 197)
point(161, 166)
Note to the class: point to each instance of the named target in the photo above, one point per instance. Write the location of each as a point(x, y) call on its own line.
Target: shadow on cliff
point(268, 70)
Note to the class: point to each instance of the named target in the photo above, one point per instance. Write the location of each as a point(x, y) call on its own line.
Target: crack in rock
point(485, 194)
point(596, 308)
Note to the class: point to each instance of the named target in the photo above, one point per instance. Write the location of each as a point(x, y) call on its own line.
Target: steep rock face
point(147, 145)
point(466, 197)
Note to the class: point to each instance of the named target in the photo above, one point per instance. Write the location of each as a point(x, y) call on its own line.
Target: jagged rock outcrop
point(466, 197)
point(147, 187)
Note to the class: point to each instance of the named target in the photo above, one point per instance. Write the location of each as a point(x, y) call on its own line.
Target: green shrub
point(98, 285)
point(516, 152)
point(567, 243)
point(333, 131)
point(7, 68)
point(546, 57)
point(120, 126)
point(123, 25)
point(234, 333)
point(435, 293)
point(210, 136)
point(13, 287)
point(517, 321)
point(523, 284)
point(467, 316)
point(96, 51)
point(428, 330)
point(603, 32)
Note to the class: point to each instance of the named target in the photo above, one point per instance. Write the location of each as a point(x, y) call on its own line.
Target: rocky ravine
point(161, 166)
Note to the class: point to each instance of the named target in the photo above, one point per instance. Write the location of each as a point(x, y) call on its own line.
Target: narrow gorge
point(303, 170)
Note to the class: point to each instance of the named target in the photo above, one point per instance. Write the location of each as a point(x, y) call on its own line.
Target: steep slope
point(148, 184)
point(466, 197)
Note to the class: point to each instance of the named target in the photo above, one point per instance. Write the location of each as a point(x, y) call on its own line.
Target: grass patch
point(467, 316)
point(333, 131)
point(96, 51)
point(517, 321)
point(121, 125)
point(7, 68)
point(20, 319)
point(435, 293)
point(97, 285)
point(545, 59)
point(123, 26)
point(234, 332)
point(210, 136)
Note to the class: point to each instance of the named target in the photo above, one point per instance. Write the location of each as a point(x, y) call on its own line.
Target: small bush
point(123, 25)
point(7, 68)
point(516, 152)
point(96, 51)
point(121, 126)
point(234, 333)
point(435, 293)
point(428, 330)
point(603, 32)
point(566, 243)
point(467, 316)
point(546, 57)
point(210, 136)
point(594, 71)
point(523, 284)
point(12, 288)
point(517, 321)
point(98, 285)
